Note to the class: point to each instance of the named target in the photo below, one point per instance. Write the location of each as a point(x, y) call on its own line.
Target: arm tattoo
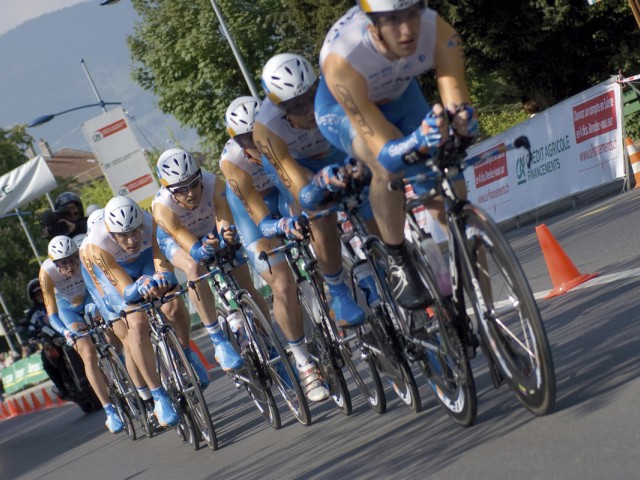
point(102, 265)
point(346, 100)
point(236, 189)
point(455, 41)
point(269, 152)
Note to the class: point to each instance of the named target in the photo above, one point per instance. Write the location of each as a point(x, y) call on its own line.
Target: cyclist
point(65, 295)
point(190, 208)
point(119, 328)
point(36, 318)
point(286, 134)
point(370, 106)
point(126, 262)
point(252, 197)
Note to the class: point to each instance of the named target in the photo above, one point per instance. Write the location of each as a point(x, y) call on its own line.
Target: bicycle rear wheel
point(358, 357)
point(279, 367)
point(256, 361)
point(508, 316)
point(190, 388)
point(324, 351)
point(445, 363)
point(186, 428)
point(128, 392)
point(390, 359)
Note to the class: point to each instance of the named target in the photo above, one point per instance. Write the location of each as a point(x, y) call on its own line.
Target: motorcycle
point(71, 367)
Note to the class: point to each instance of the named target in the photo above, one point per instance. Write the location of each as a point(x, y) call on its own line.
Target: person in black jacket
point(67, 219)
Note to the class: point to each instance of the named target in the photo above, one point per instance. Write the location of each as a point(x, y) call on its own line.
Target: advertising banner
point(25, 183)
point(575, 145)
point(23, 373)
point(120, 156)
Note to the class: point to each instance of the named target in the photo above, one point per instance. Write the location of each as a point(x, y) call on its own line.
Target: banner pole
point(7, 335)
point(26, 232)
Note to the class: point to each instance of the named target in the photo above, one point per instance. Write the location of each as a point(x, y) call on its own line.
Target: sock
point(144, 392)
point(336, 283)
point(300, 350)
point(213, 329)
point(107, 407)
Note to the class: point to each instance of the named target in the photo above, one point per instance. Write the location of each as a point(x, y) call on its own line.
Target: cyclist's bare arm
point(169, 221)
point(449, 65)
point(103, 260)
point(293, 176)
point(241, 183)
point(48, 292)
point(160, 262)
point(349, 88)
point(224, 217)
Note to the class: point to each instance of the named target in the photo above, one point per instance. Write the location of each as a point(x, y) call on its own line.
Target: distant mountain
point(41, 73)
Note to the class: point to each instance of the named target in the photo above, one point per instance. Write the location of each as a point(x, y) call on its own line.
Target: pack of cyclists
point(359, 112)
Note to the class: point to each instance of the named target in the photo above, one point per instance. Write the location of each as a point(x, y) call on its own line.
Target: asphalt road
point(593, 433)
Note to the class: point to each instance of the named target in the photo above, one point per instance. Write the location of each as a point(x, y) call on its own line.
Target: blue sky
point(41, 44)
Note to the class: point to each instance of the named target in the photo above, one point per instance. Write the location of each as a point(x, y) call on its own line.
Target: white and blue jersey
point(276, 197)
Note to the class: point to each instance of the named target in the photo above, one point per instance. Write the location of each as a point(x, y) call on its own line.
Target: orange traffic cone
point(564, 274)
point(201, 356)
point(16, 407)
point(2, 414)
point(634, 159)
point(47, 399)
point(36, 403)
point(25, 405)
point(9, 409)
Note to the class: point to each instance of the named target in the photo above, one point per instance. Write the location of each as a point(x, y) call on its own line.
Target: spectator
point(67, 218)
point(531, 108)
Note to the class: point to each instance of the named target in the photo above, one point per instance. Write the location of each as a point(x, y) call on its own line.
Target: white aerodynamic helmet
point(95, 217)
point(241, 114)
point(287, 76)
point(175, 166)
point(79, 238)
point(122, 214)
point(379, 6)
point(61, 247)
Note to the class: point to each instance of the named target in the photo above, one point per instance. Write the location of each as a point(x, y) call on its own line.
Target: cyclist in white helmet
point(193, 217)
point(252, 196)
point(286, 134)
point(119, 328)
point(122, 255)
point(370, 106)
point(65, 295)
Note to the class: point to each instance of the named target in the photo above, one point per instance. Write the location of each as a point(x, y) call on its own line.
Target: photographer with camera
point(67, 219)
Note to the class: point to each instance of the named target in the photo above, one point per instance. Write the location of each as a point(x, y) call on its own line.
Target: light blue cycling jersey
point(273, 193)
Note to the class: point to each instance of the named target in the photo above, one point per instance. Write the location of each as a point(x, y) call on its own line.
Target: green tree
point(182, 56)
point(17, 262)
point(547, 50)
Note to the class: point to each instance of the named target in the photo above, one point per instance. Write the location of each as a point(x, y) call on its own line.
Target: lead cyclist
point(370, 106)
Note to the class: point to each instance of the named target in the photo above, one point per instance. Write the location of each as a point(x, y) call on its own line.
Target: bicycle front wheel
point(444, 359)
point(507, 314)
point(278, 364)
point(128, 392)
point(384, 333)
point(190, 388)
point(256, 360)
point(324, 351)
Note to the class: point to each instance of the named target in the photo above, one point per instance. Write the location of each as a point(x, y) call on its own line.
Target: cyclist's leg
point(388, 207)
point(72, 319)
point(141, 350)
point(204, 301)
point(288, 314)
